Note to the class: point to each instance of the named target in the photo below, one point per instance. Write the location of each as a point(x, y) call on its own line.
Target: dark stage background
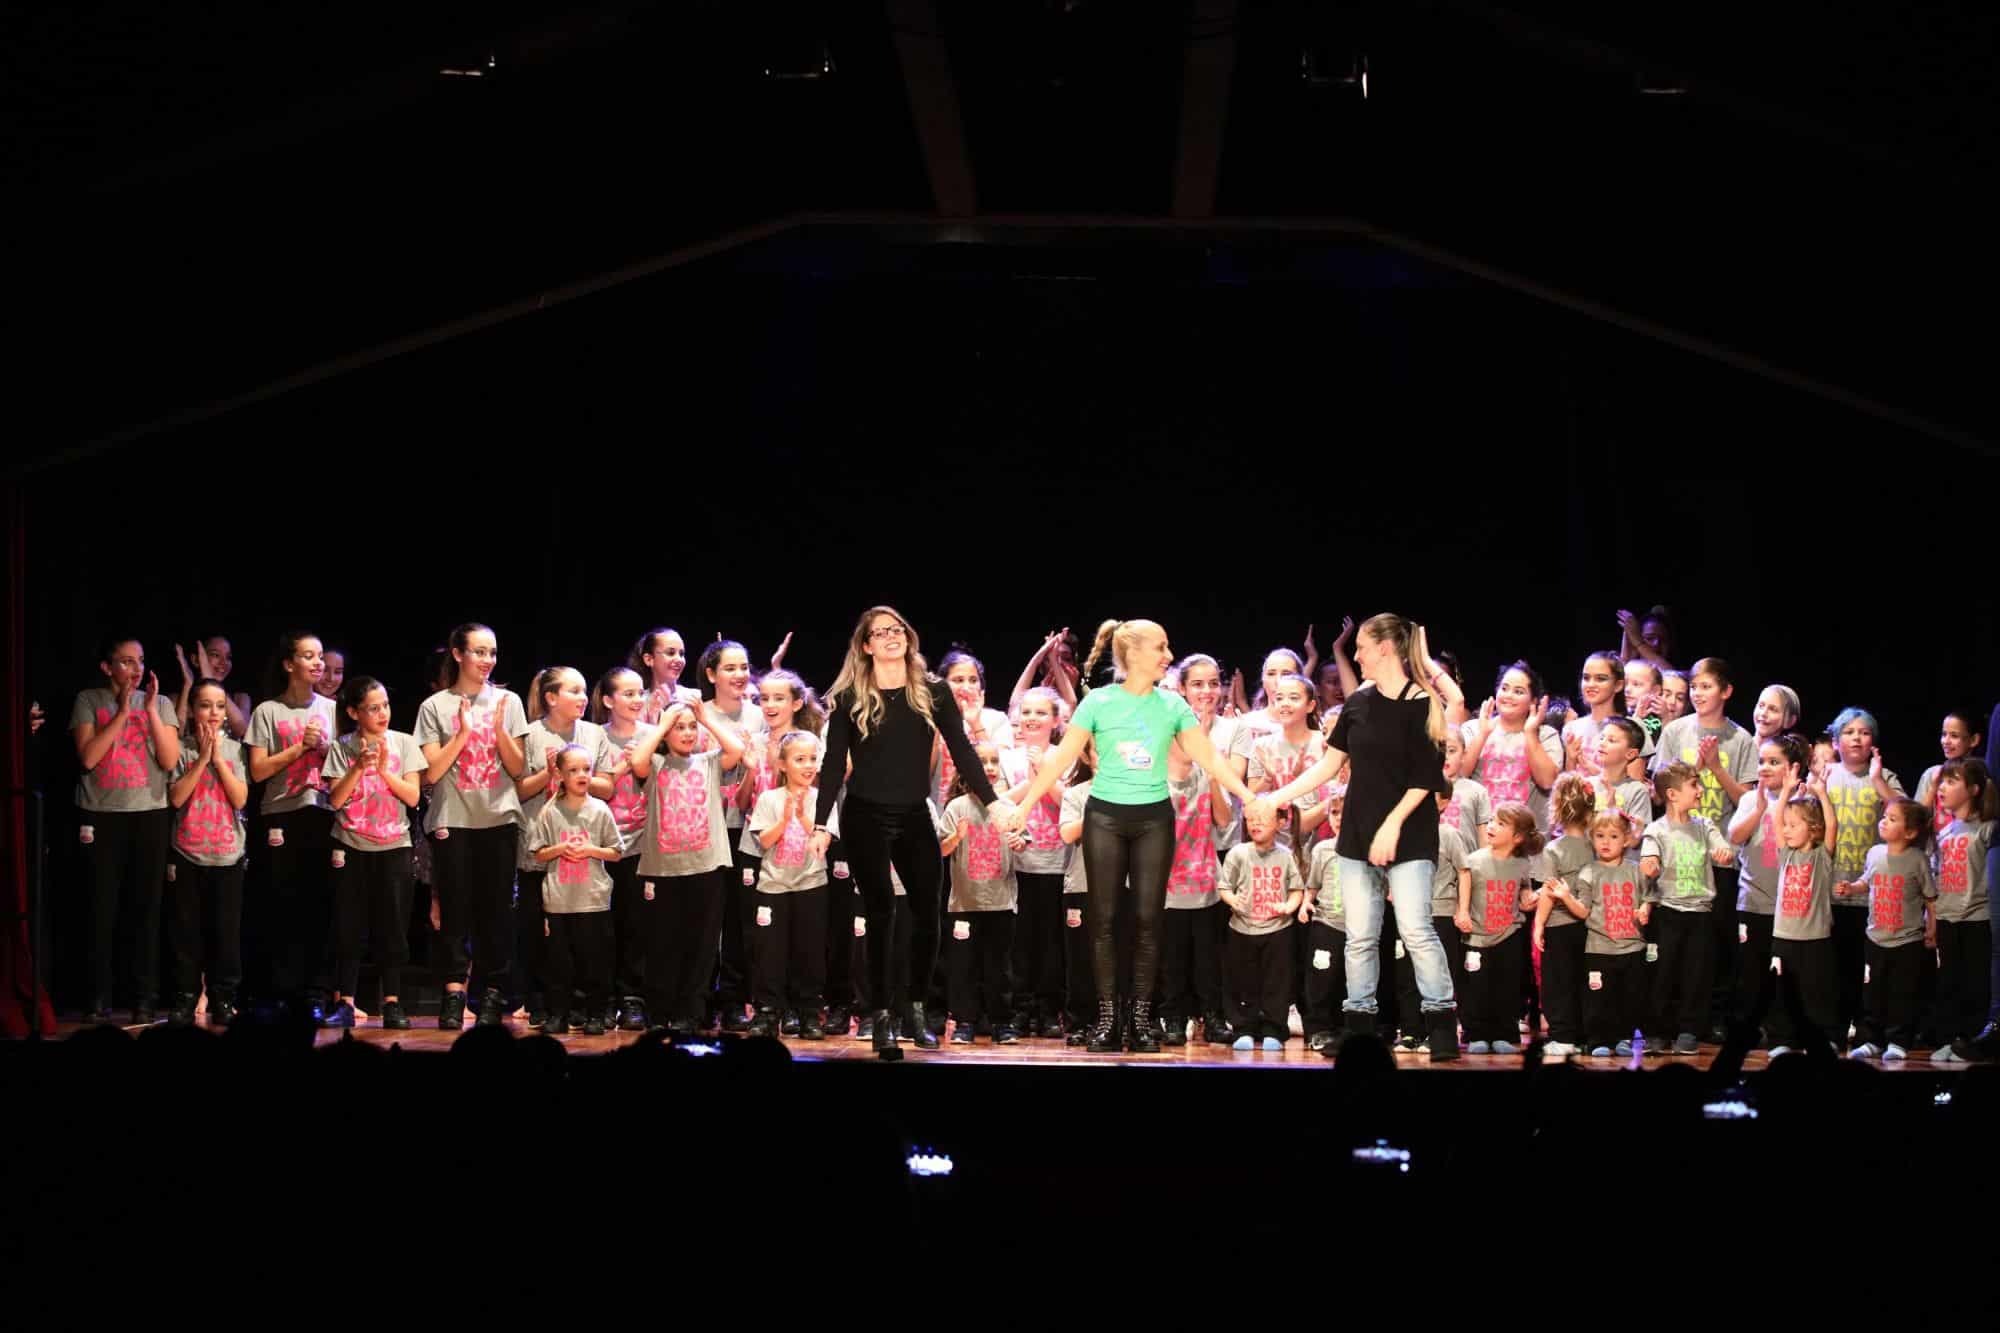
point(1235, 441)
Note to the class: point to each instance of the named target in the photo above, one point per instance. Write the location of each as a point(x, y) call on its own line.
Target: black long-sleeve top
point(893, 765)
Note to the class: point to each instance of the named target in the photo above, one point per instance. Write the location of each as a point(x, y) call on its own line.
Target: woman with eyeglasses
point(883, 714)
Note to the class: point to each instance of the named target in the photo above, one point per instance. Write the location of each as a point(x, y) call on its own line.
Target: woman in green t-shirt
point(1128, 825)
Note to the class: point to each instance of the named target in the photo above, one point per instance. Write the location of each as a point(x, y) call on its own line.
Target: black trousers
point(1260, 968)
point(1756, 987)
point(1191, 947)
point(126, 859)
point(1850, 955)
point(1124, 843)
point(371, 892)
point(1036, 963)
point(1965, 954)
point(876, 838)
point(1563, 980)
point(301, 901)
point(628, 933)
point(978, 965)
point(1722, 946)
point(1808, 992)
point(1615, 1003)
point(1681, 979)
point(578, 957)
point(1889, 993)
point(531, 945)
point(1490, 1005)
point(1326, 977)
point(683, 915)
point(732, 973)
point(843, 904)
point(473, 870)
point(207, 928)
point(1079, 986)
point(788, 950)
point(1408, 1000)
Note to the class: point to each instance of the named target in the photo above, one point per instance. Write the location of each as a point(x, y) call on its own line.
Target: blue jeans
point(1362, 887)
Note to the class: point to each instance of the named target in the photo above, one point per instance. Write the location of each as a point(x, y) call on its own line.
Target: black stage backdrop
point(999, 444)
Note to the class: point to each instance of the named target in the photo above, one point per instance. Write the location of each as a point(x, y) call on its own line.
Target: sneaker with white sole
point(1945, 1055)
point(1505, 1047)
point(1623, 1048)
point(1600, 1052)
point(1687, 1044)
point(1779, 1050)
point(1479, 1048)
point(1894, 1052)
point(1867, 1050)
point(1558, 1048)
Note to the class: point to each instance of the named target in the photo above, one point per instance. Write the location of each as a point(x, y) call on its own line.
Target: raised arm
point(1027, 680)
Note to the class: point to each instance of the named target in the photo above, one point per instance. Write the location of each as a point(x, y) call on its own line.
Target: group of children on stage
point(632, 851)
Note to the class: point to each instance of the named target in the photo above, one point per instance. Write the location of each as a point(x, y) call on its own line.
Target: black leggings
point(473, 870)
point(877, 837)
point(1122, 842)
point(125, 853)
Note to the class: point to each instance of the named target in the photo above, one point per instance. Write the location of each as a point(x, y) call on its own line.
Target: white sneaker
point(1867, 1050)
point(1294, 1023)
point(1558, 1048)
point(1894, 1052)
point(1777, 1051)
point(1945, 1055)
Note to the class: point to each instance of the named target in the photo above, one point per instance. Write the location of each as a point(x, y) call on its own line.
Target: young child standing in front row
point(1754, 833)
point(1802, 948)
point(1897, 880)
point(1965, 790)
point(1612, 896)
point(575, 836)
point(981, 909)
point(1499, 887)
point(1678, 853)
point(375, 775)
point(682, 856)
point(1559, 935)
point(1325, 918)
point(1262, 884)
point(788, 952)
point(211, 784)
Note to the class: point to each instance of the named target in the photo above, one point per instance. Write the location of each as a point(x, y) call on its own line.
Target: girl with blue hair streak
point(1859, 788)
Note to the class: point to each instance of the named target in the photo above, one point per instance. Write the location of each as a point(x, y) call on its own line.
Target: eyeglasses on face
point(890, 632)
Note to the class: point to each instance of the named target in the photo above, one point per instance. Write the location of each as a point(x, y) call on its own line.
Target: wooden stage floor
point(1042, 1052)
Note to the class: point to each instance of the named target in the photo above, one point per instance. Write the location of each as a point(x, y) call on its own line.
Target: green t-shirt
point(1133, 732)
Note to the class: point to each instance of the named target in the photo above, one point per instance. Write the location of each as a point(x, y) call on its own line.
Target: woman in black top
point(1394, 732)
point(882, 714)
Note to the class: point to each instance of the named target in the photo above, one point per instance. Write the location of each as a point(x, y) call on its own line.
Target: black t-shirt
point(1391, 752)
point(893, 766)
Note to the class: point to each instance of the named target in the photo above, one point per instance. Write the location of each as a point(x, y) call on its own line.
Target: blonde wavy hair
point(857, 675)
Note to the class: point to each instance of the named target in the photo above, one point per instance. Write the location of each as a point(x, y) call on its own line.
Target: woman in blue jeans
point(1393, 729)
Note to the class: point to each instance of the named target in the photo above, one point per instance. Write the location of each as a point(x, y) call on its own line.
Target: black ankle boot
point(884, 1036)
point(451, 1011)
point(1443, 1024)
point(1104, 1037)
point(492, 1009)
point(920, 1030)
point(1145, 1037)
